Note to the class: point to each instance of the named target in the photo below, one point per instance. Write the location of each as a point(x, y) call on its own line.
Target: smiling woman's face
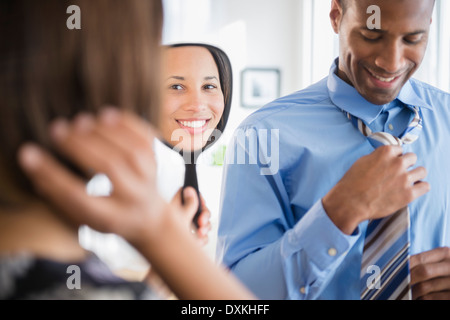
point(192, 98)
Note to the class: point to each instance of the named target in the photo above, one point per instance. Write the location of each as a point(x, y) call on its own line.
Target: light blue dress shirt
point(274, 233)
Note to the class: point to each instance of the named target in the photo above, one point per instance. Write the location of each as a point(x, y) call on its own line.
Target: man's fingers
point(417, 174)
point(429, 267)
point(436, 296)
point(430, 287)
point(430, 271)
point(432, 256)
point(420, 188)
point(409, 160)
point(394, 151)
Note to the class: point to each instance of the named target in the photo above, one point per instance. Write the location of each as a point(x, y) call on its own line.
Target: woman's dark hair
point(226, 80)
point(48, 71)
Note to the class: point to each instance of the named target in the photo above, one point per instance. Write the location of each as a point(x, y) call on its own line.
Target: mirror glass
point(196, 100)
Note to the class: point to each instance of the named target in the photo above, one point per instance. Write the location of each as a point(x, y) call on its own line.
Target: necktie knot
point(377, 139)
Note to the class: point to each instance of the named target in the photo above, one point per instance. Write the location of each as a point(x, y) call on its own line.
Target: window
point(435, 68)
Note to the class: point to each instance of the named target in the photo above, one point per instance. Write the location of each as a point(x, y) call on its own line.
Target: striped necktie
point(385, 273)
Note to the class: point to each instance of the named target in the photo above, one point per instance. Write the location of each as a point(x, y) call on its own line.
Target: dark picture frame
point(259, 86)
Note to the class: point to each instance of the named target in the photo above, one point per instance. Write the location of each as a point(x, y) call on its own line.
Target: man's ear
point(336, 15)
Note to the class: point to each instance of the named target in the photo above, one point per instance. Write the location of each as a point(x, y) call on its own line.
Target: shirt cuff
point(320, 239)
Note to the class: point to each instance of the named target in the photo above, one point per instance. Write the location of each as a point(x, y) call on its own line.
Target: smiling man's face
point(379, 62)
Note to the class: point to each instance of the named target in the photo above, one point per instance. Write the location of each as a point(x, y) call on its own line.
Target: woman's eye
point(176, 87)
point(209, 87)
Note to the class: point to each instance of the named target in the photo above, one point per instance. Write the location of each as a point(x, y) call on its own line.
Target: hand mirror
point(196, 100)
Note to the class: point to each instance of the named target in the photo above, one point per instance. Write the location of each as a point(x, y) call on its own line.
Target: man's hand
point(376, 186)
point(430, 275)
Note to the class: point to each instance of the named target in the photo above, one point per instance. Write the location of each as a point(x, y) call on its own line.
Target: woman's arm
point(119, 145)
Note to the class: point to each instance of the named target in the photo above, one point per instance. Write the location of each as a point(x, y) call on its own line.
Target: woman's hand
point(204, 221)
point(117, 144)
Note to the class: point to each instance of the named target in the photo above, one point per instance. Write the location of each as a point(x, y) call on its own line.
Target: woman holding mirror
point(196, 97)
point(196, 100)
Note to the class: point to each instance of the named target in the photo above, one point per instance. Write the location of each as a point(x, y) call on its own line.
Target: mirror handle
point(190, 180)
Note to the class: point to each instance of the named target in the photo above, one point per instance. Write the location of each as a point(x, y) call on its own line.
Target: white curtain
point(435, 69)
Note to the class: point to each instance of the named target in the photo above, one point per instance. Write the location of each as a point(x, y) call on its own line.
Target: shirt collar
point(348, 99)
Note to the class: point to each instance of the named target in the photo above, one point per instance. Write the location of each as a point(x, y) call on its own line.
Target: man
point(299, 232)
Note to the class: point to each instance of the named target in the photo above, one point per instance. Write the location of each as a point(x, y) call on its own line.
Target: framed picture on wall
point(259, 86)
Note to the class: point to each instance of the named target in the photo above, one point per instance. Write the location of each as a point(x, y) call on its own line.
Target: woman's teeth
point(194, 124)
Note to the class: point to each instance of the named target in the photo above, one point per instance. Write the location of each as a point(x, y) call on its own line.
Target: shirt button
point(303, 290)
point(391, 127)
point(332, 252)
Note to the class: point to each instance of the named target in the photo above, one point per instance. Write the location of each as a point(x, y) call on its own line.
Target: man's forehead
point(404, 5)
point(384, 2)
point(412, 12)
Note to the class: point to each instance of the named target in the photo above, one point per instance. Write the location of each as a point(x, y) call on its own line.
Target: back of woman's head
point(48, 71)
